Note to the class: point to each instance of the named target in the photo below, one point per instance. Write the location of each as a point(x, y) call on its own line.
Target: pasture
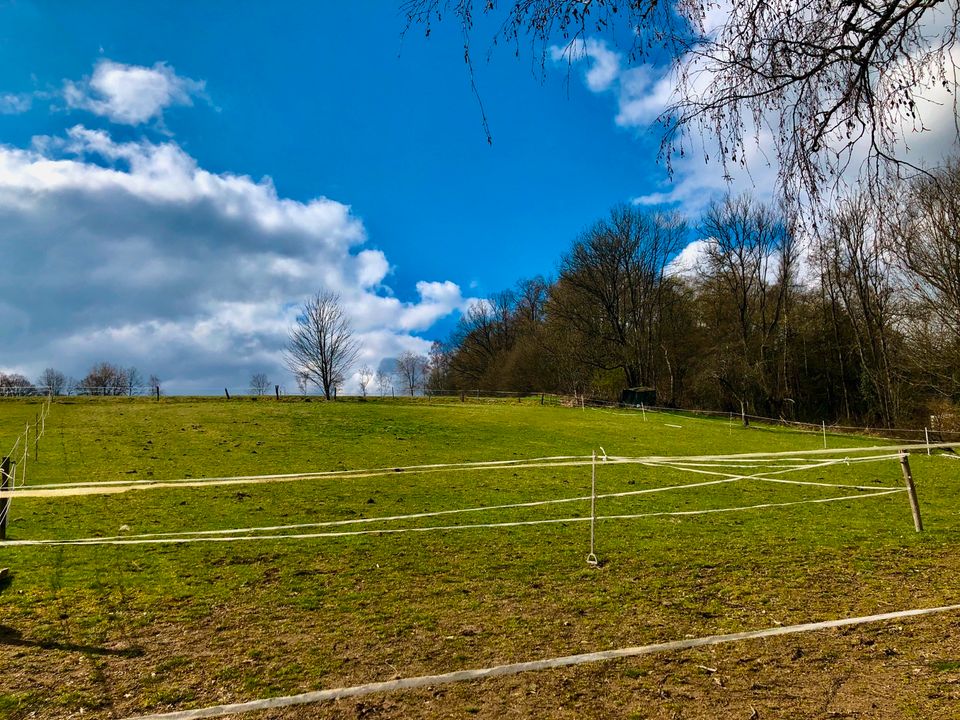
point(125, 630)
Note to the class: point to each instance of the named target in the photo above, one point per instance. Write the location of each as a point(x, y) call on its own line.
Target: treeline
point(102, 379)
point(857, 321)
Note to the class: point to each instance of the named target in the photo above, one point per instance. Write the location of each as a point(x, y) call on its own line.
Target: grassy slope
point(119, 630)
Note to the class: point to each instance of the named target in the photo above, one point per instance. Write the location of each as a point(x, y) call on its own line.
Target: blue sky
point(141, 223)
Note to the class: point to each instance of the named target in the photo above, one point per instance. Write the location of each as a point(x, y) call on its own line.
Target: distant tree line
point(102, 379)
point(858, 323)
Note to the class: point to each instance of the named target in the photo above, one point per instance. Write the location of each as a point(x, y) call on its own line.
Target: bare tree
point(439, 367)
point(611, 288)
point(384, 381)
point(749, 269)
point(53, 381)
point(412, 370)
point(927, 245)
point(259, 384)
point(858, 270)
point(134, 380)
point(364, 377)
point(104, 379)
point(820, 84)
point(321, 344)
point(16, 385)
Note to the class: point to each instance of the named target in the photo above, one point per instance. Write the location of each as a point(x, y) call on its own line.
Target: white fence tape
point(181, 540)
point(496, 671)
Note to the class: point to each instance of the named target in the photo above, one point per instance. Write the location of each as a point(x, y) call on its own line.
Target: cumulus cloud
point(15, 103)
point(697, 182)
point(604, 63)
point(139, 256)
point(690, 260)
point(131, 94)
point(645, 92)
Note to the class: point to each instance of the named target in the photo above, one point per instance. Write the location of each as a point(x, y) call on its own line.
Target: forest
point(852, 318)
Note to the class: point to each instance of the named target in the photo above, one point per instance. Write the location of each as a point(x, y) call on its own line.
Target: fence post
point(276, 389)
point(743, 414)
point(926, 434)
point(227, 393)
point(823, 425)
point(911, 491)
point(4, 502)
point(541, 398)
point(36, 437)
point(158, 392)
point(591, 557)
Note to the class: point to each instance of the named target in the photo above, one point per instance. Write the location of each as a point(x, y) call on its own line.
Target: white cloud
point(696, 181)
point(139, 256)
point(15, 103)
point(690, 259)
point(644, 93)
point(604, 62)
point(131, 94)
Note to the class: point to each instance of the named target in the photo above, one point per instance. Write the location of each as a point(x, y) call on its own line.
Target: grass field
point(118, 631)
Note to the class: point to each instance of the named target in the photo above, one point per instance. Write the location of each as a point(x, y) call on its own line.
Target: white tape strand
point(112, 487)
point(437, 513)
point(496, 671)
point(814, 466)
point(121, 486)
point(181, 540)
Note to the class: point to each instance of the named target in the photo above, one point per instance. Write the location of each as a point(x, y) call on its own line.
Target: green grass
point(119, 630)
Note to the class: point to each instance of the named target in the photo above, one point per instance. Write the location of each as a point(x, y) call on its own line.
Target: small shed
point(638, 396)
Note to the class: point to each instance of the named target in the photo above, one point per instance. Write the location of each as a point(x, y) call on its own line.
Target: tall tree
point(438, 373)
point(52, 381)
point(412, 370)
point(927, 245)
point(321, 344)
point(749, 269)
point(857, 267)
point(611, 288)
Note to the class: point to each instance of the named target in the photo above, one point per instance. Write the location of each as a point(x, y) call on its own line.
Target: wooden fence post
point(4, 502)
point(911, 492)
point(158, 392)
point(276, 389)
point(227, 393)
point(36, 437)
